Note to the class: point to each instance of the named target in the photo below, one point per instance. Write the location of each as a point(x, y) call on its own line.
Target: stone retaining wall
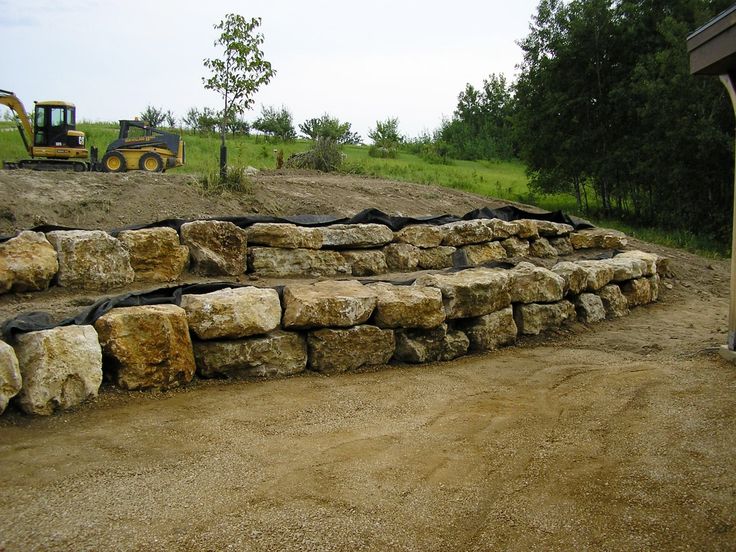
point(329, 326)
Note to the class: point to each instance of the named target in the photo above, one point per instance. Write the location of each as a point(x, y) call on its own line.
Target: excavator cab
point(55, 124)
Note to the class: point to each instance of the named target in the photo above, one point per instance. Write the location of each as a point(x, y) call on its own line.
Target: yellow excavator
point(54, 143)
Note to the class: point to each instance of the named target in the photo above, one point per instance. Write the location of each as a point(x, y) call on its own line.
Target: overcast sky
point(360, 61)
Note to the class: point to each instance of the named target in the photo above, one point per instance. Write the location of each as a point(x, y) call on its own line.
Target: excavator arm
point(24, 125)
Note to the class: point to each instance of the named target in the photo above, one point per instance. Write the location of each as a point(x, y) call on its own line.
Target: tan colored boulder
point(61, 368)
point(562, 245)
point(598, 238)
point(649, 259)
point(472, 292)
point(402, 257)
point(491, 331)
point(27, 263)
point(10, 378)
point(424, 236)
point(542, 248)
point(528, 229)
point(233, 312)
point(408, 306)
point(437, 258)
point(534, 319)
point(654, 284)
point(155, 254)
point(90, 259)
point(356, 236)
point(534, 284)
point(502, 229)
point(550, 229)
point(216, 248)
point(600, 273)
point(438, 344)
point(516, 247)
point(328, 304)
point(575, 276)
point(626, 268)
point(333, 351)
point(466, 232)
point(285, 236)
point(614, 301)
point(273, 262)
point(589, 307)
point(366, 263)
point(637, 292)
point(147, 347)
point(482, 253)
point(274, 355)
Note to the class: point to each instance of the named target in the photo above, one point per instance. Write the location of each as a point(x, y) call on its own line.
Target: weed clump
point(235, 180)
point(325, 156)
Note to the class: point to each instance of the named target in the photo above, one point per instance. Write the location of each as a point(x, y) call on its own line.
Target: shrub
point(276, 123)
point(325, 156)
point(235, 181)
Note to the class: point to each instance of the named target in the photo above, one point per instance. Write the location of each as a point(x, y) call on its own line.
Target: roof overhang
point(712, 47)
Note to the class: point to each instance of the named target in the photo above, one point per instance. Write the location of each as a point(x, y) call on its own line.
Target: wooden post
point(729, 81)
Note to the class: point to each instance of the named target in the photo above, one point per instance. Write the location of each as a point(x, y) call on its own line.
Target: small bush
point(235, 181)
point(382, 152)
point(325, 156)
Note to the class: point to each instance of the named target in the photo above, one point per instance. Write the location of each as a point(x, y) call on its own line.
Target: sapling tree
point(238, 73)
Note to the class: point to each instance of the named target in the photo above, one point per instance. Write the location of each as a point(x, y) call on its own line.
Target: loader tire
point(151, 162)
point(114, 162)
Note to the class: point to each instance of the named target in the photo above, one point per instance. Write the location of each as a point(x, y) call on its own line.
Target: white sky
point(361, 62)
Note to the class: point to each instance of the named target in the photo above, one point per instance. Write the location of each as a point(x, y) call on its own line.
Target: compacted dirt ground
point(617, 436)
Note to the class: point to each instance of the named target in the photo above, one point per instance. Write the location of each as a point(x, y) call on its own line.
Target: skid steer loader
point(141, 146)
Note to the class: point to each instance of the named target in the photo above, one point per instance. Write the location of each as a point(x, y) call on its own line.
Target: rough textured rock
point(654, 284)
point(472, 292)
point(356, 236)
point(408, 306)
point(327, 304)
point(155, 254)
point(576, 277)
point(366, 263)
point(614, 301)
point(516, 247)
point(491, 331)
point(562, 245)
point(216, 248)
point(650, 260)
point(502, 229)
point(602, 238)
point(279, 263)
point(542, 248)
point(466, 232)
point(600, 274)
point(534, 284)
point(332, 351)
point(402, 257)
point(473, 255)
point(27, 263)
point(421, 235)
point(419, 346)
point(534, 319)
point(277, 354)
point(437, 258)
point(283, 235)
point(233, 312)
point(589, 307)
point(626, 268)
point(90, 259)
point(61, 368)
point(637, 292)
point(10, 378)
point(147, 347)
point(553, 229)
point(528, 229)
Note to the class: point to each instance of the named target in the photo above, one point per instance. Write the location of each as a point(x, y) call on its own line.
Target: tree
point(329, 127)
point(276, 123)
point(386, 138)
point(153, 116)
point(239, 73)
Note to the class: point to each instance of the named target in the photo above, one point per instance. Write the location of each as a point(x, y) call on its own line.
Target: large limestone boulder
point(27, 263)
point(421, 235)
point(590, 308)
point(333, 351)
point(600, 273)
point(408, 306)
point(626, 268)
point(472, 292)
point(61, 368)
point(489, 332)
point(466, 232)
point(147, 347)
point(600, 238)
point(474, 255)
point(10, 378)
point(575, 276)
point(356, 236)
point(516, 247)
point(650, 260)
point(366, 263)
point(637, 292)
point(328, 304)
point(502, 229)
point(233, 312)
point(528, 229)
point(534, 284)
point(614, 301)
point(553, 229)
point(91, 259)
point(402, 257)
point(216, 248)
point(274, 262)
point(438, 344)
point(542, 248)
point(274, 355)
point(286, 236)
point(437, 258)
point(534, 319)
point(654, 284)
point(562, 245)
point(155, 254)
